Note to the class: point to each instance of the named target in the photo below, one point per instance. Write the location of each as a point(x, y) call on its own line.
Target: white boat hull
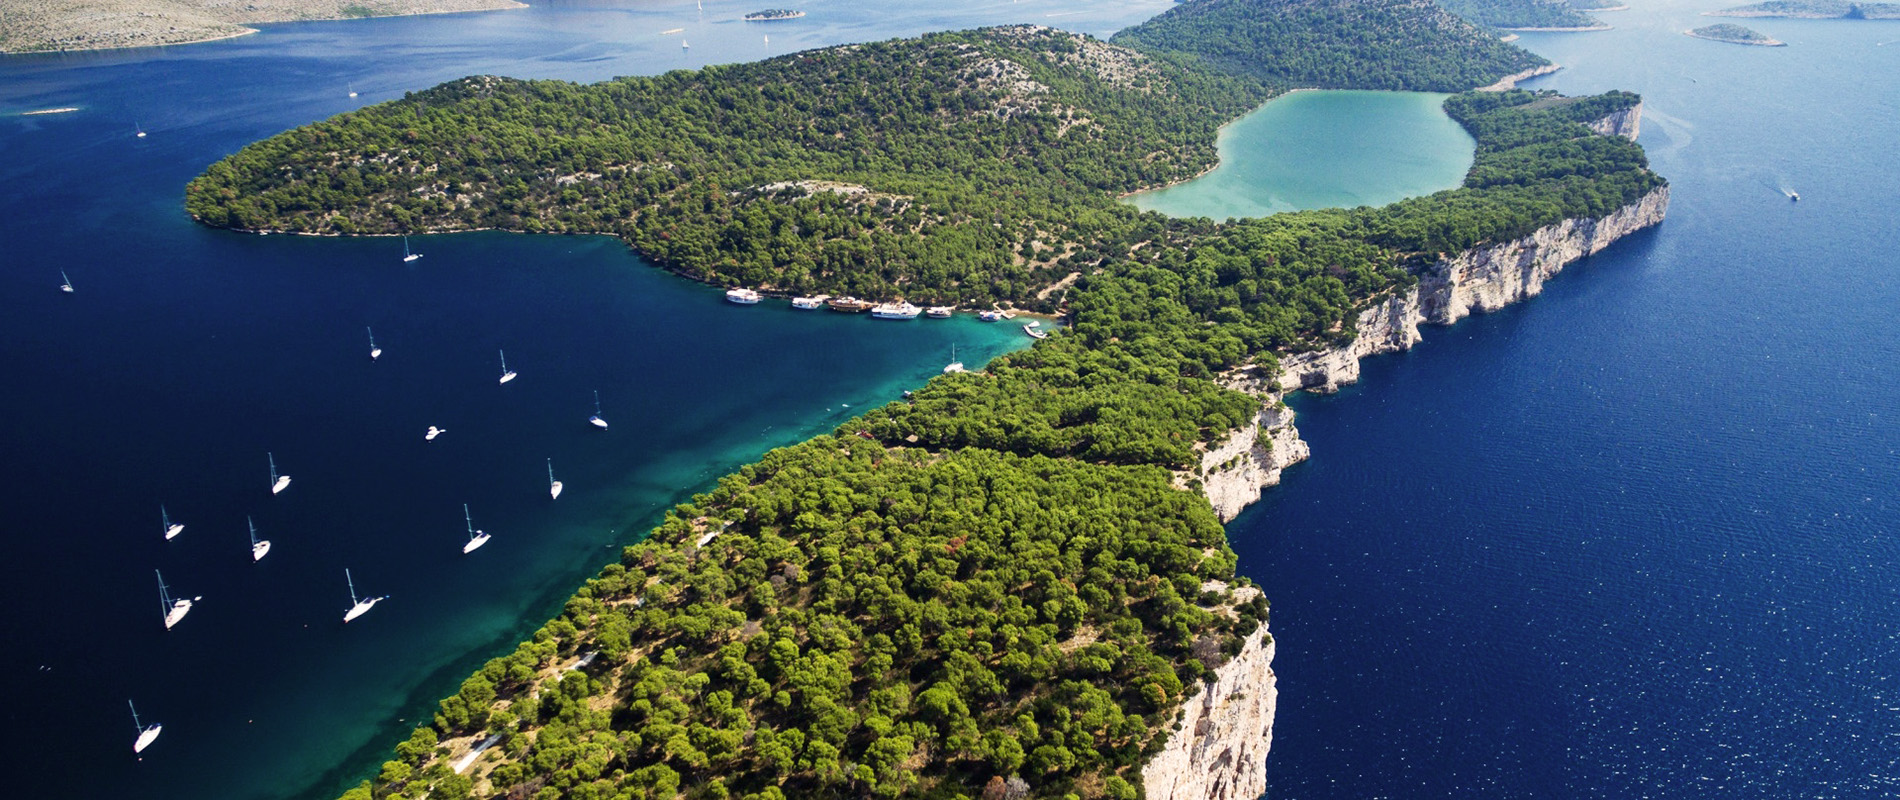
point(259, 550)
point(475, 543)
point(411, 257)
point(507, 376)
point(173, 531)
point(147, 737)
point(554, 490)
point(433, 432)
point(362, 607)
point(375, 353)
point(283, 482)
point(177, 613)
point(597, 422)
point(66, 288)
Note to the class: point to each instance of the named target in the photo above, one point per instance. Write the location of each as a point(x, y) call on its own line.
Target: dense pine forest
point(1005, 585)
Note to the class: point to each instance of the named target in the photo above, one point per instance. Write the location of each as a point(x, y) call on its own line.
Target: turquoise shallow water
point(1329, 149)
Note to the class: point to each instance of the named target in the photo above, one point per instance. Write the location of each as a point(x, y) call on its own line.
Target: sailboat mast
point(273, 466)
point(164, 598)
point(470, 520)
point(135, 716)
point(347, 579)
point(550, 470)
point(247, 521)
point(596, 405)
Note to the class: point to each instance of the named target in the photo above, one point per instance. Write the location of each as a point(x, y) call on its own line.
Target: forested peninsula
point(1009, 584)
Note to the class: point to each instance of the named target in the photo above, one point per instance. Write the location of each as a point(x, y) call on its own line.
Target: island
point(1014, 582)
point(53, 25)
point(773, 14)
point(1734, 34)
point(1812, 9)
point(1525, 15)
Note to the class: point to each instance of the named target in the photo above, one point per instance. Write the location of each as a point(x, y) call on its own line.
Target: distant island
point(1734, 34)
point(1528, 15)
point(31, 26)
point(772, 14)
point(1812, 9)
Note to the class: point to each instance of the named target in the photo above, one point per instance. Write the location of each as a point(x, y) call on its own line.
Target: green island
point(1734, 34)
point(1812, 9)
point(1551, 15)
point(1008, 584)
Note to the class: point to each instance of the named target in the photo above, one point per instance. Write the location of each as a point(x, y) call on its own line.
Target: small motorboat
point(433, 432)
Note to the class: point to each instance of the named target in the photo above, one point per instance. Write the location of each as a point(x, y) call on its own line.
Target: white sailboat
point(955, 365)
point(358, 607)
point(475, 538)
point(175, 610)
point(374, 351)
point(140, 129)
point(278, 483)
point(259, 547)
point(172, 529)
point(433, 432)
point(352, 89)
point(506, 373)
point(147, 733)
point(554, 486)
point(66, 284)
point(595, 420)
point(406, 255)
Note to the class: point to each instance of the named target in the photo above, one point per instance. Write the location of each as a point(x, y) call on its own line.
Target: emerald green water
point(1325, 150)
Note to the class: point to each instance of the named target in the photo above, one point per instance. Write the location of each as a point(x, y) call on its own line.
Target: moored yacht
point(744, 297)
point(259, 547)
point(596, 419)
point(278, 483)
point(175, 610)
point(810, 303)
point(433, 432)
point(940, 312)
point(991, 315)
point(374, 351)
point(554, 486)
point(358, 607)
point(506, 373)
point(954, 366)
point(475, 538)
point(898, 310)
point(406, 255)
point(67, 283)
point(172, 529)
point(849, 305)
point(147, 733)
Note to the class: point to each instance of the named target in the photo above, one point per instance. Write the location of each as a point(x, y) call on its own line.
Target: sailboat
point(140, 129)
point(406, 255)
point(475, 538)
point(506, 373)
point(352, 89)
point(955, 365)
point(554, 486)
point(374, 351)
point(66, 284)
point(433, 432)
point(683, 46)
point(358, 607)
point(175, 610)
point(259, 547)
point(595, 420)
point(147, 733)
point(278, 482)
point(172, 529)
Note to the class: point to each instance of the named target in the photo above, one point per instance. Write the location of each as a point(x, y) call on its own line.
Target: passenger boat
point(940, 312)
point(990, 316)
point(809, 303)
point(896, 311)
point(744, 297)
point(850, 305)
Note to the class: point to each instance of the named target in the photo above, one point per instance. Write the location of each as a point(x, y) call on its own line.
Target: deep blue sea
point(1639, 536)
point(1633, 538)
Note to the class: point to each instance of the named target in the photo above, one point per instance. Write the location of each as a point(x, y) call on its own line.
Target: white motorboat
point(596, 419)
point(940, 312)
point(172, 529)
point(744, 297)
point(554, 486)
point(259, 547)
point(990, 316)
point(278, 483)
point(895, 311)
point(475, 538)
point(147, 733)
point(809, 303)
point(506, 373)
point(175, 610)
point(374, 351)
point(433, 432)
point(358, 607)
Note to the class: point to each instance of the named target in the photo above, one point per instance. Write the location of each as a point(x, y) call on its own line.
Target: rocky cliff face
point(1220, 750)
point(1626, 123)
point(1234, 472)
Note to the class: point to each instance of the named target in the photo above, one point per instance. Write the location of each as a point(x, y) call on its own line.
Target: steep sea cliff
point(1219, 749)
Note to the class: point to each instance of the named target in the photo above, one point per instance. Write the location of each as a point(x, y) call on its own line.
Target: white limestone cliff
point(1626, 123)
point(1220, 750)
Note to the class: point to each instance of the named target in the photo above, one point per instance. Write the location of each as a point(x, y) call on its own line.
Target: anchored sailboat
point(475, 538)
point(67, 283)
point(358, 607)
point(595, 420)
point(172, 529)
point(175, 610)
point(506, 373)
point(259, 547)
point(278, 482)
point(352, 89)
point(955, 365)
point(147, 733)
point(554, 486)
point(433, 432)
point(374, 351)
point(406, 255)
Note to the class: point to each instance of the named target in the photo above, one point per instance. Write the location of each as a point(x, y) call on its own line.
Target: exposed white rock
point(1626, 123)
point(1220, 750)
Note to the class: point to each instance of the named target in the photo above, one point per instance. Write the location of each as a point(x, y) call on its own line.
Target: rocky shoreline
point(1219, 751)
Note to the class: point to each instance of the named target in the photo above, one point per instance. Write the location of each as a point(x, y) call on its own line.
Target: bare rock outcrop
point(1220, 750)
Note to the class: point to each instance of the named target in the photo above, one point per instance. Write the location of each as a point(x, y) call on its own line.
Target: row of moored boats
point(853, 305)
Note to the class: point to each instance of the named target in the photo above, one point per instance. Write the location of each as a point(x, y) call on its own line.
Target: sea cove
point(1325, 149)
